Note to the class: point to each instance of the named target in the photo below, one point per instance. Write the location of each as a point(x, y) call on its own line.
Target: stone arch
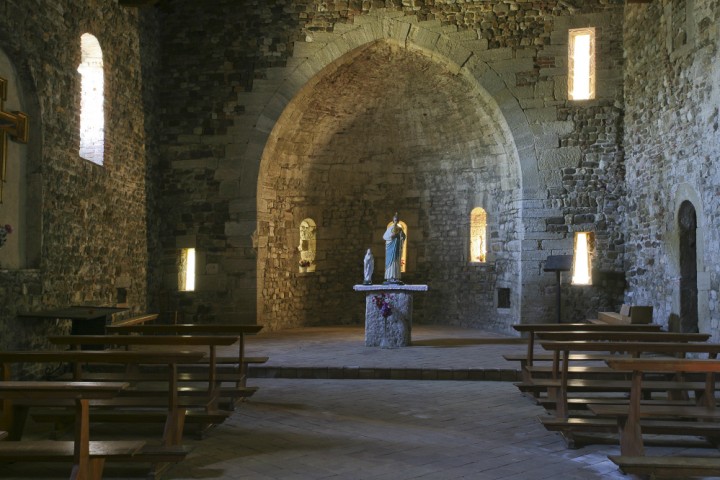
point(688, 201)
point(349, 42)
point(687, 226)
point(21, 205)
point(394, 27)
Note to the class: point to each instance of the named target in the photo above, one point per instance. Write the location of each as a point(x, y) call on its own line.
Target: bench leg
point(174, 426)
point(18, 419)
point(631, 442)
point(83, 468)
point(95, 468)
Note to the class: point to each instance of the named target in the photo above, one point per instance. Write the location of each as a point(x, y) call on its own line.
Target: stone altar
point(399, 323)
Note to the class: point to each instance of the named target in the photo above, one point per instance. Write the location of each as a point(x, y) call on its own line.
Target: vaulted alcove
point(383, 129)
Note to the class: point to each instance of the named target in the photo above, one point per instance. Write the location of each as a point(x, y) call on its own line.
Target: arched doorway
point(687, 222)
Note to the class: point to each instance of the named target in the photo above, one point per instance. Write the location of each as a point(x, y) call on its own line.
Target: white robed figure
point(394, 238)
point(368, 267)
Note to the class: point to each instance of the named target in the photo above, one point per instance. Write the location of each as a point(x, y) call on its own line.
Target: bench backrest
point(101, 356)
point(188, 329)
point(665, 364)
point(565, 327)
point(625, 336)
point(180, 340)
point(632, 347)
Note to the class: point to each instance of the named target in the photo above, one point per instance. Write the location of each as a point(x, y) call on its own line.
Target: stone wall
point(92, 219)
point(672, 95)
point(230, 71)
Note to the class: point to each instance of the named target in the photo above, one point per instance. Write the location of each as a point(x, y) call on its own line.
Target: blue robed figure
point(394, 238)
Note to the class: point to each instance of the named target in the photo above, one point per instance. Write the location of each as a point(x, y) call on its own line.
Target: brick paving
point(299, 428)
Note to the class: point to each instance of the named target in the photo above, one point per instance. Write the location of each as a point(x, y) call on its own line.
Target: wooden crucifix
point(13, 125)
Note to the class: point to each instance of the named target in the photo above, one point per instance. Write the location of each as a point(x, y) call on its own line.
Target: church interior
point(232, 161)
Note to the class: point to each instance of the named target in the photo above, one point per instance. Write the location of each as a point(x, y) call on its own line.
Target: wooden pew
point(603, 335)
point(214, 390)
point(531, 330)
point(88, 457)
point(208, 397)
point(609, 336)
point(241, 360)
point(570, 426)
point(630, 418)
point(15, 413)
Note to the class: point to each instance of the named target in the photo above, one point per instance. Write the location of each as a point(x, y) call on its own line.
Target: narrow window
point(186, 275)
point(581, 259)
point(92, 116)
point(308, 245)
point(581, 78)
point(478, 237)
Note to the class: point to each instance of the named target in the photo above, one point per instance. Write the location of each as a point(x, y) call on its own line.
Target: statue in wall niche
point(369, 266)
point(394, 238)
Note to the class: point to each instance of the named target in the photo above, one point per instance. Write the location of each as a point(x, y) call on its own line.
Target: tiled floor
point(377, 429)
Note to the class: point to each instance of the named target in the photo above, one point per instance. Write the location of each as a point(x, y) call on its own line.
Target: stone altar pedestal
point(399, 323)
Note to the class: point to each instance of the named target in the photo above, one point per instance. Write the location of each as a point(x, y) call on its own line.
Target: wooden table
point(84, 466)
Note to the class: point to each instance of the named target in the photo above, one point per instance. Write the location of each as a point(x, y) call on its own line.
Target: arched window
point(478, 235)
point(92, 116)
point(403, 260)
point(307, 247)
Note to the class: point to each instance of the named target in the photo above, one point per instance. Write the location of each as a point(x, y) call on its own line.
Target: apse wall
point(672, 92)
point(387, 129)
point(229, 73)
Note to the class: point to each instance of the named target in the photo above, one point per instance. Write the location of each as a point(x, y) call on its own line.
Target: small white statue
point(369, 267)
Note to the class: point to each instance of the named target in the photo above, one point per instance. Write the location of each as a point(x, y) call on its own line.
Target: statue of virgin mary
point(394, 238)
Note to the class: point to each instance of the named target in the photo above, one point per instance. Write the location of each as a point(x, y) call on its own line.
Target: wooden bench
point(87, 457)
point(631, 428)
point(531, 382)
point(213, 390)
point(569, 426)
point(15, 412)
point(628, 416)
point(241, 361)
point(531, 329)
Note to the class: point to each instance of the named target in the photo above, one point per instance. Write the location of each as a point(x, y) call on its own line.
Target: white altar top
point(390, 288)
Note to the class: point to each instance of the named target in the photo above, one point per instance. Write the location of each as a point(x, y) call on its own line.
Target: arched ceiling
point(387, 109)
